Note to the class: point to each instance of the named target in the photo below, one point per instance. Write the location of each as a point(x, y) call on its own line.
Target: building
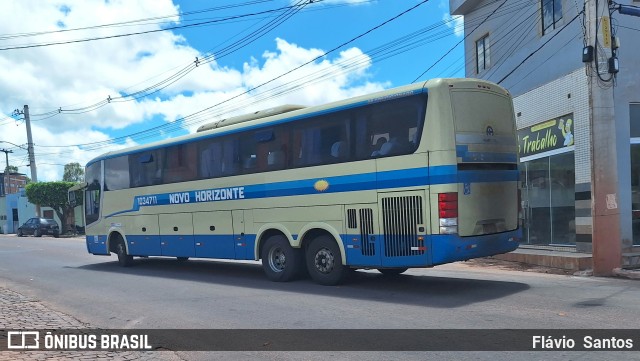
point(535, 50)
point(15, 209)
point(11, 183)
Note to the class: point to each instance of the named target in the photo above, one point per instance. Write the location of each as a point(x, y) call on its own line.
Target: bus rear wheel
point(280, 261)
point(392, 271)
point(324, 261)
point(124, 260)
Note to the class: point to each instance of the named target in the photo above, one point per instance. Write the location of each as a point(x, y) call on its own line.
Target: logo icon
point(489, 131)
point(23, 340)
point(321, 185)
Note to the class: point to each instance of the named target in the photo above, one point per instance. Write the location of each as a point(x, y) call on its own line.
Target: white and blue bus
point(416, 176)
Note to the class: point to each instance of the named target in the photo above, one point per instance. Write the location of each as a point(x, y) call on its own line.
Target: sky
point(103, 75)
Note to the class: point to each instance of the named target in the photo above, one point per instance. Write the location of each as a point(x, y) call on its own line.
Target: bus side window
point(211, 160)
point(145, 169)
point(278, 151)
point(230, 156)
point(177, 166)
point(116, 173)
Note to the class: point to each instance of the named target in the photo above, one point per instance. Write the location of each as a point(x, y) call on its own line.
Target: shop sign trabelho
point(550, 135)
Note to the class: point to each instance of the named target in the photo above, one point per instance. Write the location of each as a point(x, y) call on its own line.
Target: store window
point(548, 193)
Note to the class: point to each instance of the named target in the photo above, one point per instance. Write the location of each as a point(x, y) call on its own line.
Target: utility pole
point(32, 157)
point(6, 172)
point(605, 213)
point(6, 154)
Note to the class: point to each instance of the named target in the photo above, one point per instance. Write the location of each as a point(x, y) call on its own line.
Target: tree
point(12, 169)
point(73, 172)
point(53, 195)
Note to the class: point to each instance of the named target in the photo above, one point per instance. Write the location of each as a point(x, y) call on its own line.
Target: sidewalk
point(18, 312)
point(578, 264)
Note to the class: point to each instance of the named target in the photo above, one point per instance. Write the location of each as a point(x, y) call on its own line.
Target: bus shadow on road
point(413, 289)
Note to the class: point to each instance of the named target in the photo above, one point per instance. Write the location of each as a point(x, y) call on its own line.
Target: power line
point(152, 89)
point(381, 53)
point(540, 47)
point(501, 38)
point(463, 39)
point(196, 114)
point(151, 31)
point(547, 59)
point(387, 47)
point(137, 22)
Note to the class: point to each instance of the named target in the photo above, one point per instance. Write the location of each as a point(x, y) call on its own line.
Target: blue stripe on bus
point(452, 248)
point(439, 249)
point(486, 177)
point(461, 150)
point(347, 183)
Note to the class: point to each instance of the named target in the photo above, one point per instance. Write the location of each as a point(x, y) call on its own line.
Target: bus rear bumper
point(452, 248)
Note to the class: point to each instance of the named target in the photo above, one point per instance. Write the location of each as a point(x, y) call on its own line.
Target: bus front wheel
point(124, 259)
point(280, 261)
point(324, 261)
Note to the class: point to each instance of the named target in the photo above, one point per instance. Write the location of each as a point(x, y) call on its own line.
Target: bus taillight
point(448, 212)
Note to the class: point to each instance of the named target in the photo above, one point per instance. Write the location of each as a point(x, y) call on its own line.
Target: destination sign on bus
point(206, 195)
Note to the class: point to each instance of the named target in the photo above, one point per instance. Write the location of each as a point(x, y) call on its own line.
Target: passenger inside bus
point(339, 150)
point(378, 147)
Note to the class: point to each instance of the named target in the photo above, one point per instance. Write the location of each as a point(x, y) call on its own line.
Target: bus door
point(143, 235)
point(176, 235)
point(362, 236)
point(241, 241)
point(214, 234)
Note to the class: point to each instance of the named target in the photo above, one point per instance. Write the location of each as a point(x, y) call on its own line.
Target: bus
point(416, 176)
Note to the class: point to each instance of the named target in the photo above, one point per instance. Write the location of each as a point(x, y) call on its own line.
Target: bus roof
point(290, 115)
point(250, 116)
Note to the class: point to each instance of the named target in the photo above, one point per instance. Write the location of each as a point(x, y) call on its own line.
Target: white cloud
point(78, 75)
point(456, 23)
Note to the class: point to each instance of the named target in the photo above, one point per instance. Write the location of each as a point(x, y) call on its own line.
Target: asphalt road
point(158, 293)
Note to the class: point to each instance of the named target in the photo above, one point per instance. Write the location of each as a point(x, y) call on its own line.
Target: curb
point(625, 273)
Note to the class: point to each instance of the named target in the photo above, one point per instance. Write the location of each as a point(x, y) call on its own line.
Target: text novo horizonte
point(208, 195)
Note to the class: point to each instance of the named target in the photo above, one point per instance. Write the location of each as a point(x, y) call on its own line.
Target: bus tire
point(324, 261)
point(392, 271)
point(124, 260)
point(280, 261)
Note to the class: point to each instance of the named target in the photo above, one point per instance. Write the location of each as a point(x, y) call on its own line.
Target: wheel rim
point(277, 259)
point(324, 260)
point(121, 252)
